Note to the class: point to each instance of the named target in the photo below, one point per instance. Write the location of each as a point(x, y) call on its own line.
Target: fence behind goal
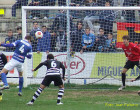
point(103, 61)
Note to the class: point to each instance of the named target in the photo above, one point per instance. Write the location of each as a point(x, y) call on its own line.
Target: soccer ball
point(38, 34)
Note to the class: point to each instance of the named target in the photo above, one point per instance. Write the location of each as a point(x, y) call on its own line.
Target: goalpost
point(94, 66)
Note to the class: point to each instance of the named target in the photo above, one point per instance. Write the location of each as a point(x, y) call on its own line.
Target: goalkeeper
point(132, 53)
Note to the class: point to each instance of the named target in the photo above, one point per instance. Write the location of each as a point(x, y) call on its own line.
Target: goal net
point(87, 40)
point(70, 29)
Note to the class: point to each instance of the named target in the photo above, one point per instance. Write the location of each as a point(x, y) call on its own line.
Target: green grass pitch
point(74, 99)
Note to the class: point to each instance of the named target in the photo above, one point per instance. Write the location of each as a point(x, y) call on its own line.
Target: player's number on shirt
point(21, 49)
point(53, 64)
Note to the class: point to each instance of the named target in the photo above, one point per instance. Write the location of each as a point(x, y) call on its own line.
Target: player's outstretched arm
point(40, 65)
point(7, 45)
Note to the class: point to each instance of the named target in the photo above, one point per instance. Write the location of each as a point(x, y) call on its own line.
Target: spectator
point(110, 43)
point(102, 2)
point(43, 44)
point(47, 3)
point(53, 41)
point(76, 13)
point(129, 14)
point(100, 41)
point(59, 28)
point(118, 12)
point(88, 40)
point(10, 39)
point(138, 4)
point(77, 2)
point(18, 4)
point(32, 33)
point(92, 15)
point(35, 14)
point(61, 43)
point(76, 37)
point(106, 19)
point(60, 22)
point(62, 2)
point(19, 31)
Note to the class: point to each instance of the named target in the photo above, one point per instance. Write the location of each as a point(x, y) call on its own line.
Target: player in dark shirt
point(3, 61)
point(53, 74)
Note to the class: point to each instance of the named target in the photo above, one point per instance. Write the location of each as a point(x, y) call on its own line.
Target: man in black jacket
point(76, 37)
point(100, 41)
point(18, 4)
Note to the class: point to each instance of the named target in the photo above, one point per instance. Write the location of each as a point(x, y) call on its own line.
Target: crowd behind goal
point(99, 26)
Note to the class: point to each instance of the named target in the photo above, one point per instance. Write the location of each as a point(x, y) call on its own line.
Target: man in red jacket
point(132, 53)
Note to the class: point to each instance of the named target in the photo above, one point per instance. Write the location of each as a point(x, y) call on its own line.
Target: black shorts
point(49, 78)
point(130, 64)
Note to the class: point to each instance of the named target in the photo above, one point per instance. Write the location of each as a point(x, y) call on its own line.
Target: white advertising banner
point(80, 67)
point(84, 68)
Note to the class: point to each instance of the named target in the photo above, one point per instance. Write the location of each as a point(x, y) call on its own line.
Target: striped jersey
point(3, 60)
point(53, 67)
point(23, 47)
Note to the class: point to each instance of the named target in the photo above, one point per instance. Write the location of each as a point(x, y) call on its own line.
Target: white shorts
point(12, 64)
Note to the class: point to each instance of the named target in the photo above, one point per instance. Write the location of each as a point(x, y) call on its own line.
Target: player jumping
point(53, 74)
point(132, 53)
point(23, 49)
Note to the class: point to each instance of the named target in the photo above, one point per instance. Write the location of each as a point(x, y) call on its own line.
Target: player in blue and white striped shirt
point(23, 49)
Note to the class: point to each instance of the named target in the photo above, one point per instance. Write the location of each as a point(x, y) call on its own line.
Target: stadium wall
point(7, 2)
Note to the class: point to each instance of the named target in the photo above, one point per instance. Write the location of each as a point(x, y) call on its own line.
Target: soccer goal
point(102, 60)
